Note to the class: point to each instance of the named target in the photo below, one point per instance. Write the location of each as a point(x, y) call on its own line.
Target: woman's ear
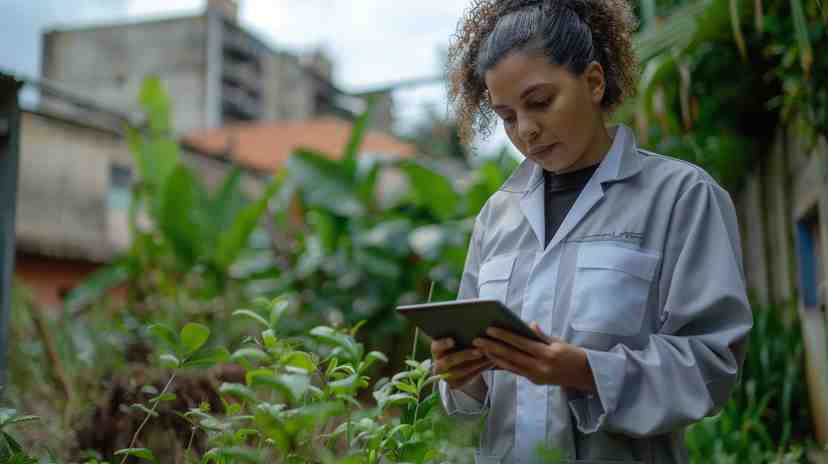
point(594, 75)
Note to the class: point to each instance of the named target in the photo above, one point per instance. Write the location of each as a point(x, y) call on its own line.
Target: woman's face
point(551, 115)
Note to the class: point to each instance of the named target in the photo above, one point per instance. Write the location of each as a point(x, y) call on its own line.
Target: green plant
point(692, 105)
point(300, 401)
point(766, 418)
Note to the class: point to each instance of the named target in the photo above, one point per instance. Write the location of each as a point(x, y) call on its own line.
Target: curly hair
point(571, 33)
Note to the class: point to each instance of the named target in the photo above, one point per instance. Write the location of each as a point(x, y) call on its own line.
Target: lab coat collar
point(621, 162)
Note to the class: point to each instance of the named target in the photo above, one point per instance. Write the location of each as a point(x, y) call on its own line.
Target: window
point(811, 272)
point(119, 182)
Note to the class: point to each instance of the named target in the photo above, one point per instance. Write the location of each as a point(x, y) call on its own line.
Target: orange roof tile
point(266, 146)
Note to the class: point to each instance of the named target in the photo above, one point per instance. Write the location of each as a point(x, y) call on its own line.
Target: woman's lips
point(542, 151)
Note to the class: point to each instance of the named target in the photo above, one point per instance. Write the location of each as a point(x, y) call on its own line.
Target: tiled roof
point(266, 146)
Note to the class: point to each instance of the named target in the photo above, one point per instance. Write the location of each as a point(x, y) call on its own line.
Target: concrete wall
point(790, 186)
point(63, 185)
point(110, 63)
point(288, 91)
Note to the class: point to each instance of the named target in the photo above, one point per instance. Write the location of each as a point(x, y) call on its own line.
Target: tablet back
point(464, 320)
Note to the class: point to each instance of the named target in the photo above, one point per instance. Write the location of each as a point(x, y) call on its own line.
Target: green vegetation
point(255, 327)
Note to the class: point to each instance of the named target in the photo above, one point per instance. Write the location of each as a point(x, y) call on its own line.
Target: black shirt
point(560, 193)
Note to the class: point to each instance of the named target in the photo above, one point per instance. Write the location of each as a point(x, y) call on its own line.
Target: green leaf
point(427, 241)
point(11, 443)
point(324, 184)
point(414, 451)
point(99, 283)
point(154, 101)
point(205, 358)
point(432, 190)
point(372, 357)
point(293, 386)
point(6, 414)
point(330, 336)
point(232, 455)
point(347, 385)
point(269, 339)
point(250, 355)
point(301, 360)
point(237, 390)
point(193, 337)
point(140, 453)
point(736, 25)
point(806, 54)
point(169, 361)
point(406, 387)
point(349, 157)
point(183, 218)
point(236, 237)
point(252, 315)
point(279, 307)
point(22, 419)
point(165, 335)
point(164, 397)
point(367, 186)
point(227, 201)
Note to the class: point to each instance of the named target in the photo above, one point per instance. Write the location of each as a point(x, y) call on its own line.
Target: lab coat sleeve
point(688, 368)
point(455, 401)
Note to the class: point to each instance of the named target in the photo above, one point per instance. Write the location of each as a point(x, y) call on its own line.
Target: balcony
point(239, 104)
point(243, 75)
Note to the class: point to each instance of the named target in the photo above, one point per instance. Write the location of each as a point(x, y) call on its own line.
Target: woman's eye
point(541, 103)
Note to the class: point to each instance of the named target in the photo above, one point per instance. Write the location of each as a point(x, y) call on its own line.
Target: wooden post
point(9, 161)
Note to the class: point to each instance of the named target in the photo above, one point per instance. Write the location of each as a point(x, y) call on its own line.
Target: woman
point(628, 262)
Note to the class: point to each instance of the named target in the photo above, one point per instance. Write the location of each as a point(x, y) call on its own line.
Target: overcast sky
point(370, 41)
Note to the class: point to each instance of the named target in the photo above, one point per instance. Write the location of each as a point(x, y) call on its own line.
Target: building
point(235, 100)
point(219, 72)
point(783, 215)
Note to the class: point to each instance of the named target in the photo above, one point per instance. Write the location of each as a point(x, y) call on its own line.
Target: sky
point(371, 42)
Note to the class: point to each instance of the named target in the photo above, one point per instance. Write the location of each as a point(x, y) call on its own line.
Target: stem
point(189, 445)
point(146, 419)
point(417, 329)
point(349, 428)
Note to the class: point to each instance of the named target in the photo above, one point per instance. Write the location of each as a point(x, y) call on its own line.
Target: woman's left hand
point(551, 363)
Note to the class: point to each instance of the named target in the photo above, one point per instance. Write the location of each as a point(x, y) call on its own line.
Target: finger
point(462, 377)
point(470, 369)
point(522, 343)
point(507, 365)
point(439, 347)
point(536, 328)
point(455, 359)
point(503, 350)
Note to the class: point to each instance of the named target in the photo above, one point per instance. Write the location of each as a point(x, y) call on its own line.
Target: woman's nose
point(528, 130)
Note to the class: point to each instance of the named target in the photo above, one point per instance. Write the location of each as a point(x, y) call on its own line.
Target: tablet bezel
point(432, 319)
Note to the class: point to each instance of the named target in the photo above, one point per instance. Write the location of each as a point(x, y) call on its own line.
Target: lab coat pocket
point(611, 287)
point(493, 278)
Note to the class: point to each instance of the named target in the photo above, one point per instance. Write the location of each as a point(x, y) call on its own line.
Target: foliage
point(346, 245)
point(693, 105)
point(766, 419)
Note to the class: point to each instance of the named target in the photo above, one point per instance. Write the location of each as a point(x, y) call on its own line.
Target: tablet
point(465, 320)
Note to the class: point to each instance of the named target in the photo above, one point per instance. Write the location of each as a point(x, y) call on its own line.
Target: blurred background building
point(235, 100)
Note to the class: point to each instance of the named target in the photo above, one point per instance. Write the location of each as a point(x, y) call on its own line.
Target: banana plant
point(202, 231)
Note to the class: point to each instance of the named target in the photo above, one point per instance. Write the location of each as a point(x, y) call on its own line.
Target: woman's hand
point(462, 366)
point(550, 363)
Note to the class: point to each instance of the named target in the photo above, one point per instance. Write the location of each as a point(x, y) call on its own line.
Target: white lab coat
point(645, 273)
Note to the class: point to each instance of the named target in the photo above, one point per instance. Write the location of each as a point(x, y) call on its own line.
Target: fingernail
point(450, 343)
point(476, 353)
point(490, 331)
point(477, 342)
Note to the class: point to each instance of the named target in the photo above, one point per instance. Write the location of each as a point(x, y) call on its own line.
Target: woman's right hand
point(461, 366)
